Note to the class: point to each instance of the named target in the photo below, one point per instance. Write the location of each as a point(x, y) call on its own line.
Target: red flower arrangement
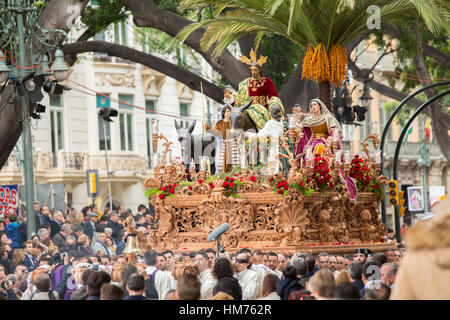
point(359, 171)
point(163, 192)
point(279, 187)
point(322, 173)
point(231, 186)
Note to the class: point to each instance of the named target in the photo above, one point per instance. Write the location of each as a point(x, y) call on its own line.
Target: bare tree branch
point(190, 79)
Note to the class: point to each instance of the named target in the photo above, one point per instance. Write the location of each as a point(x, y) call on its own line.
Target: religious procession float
point(280, 182)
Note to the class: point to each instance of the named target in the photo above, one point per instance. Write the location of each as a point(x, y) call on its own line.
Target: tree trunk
point(325, 94)
point(298, 91)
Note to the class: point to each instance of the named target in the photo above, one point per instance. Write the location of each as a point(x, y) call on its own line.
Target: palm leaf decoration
point(323, 24)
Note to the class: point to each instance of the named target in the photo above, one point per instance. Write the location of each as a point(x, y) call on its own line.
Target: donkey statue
point(195, 146)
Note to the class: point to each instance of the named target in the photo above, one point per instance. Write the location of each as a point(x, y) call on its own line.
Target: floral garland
point(303, 186)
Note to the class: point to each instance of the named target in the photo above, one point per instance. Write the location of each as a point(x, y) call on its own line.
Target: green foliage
point(303, 22)
point(402, 116)
point(97, 18)
point(152, 191)
point(283, 58)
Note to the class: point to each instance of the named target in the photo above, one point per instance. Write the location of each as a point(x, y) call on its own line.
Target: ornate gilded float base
point(267, 221)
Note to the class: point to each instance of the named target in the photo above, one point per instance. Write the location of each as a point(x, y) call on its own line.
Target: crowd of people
point(80, 256)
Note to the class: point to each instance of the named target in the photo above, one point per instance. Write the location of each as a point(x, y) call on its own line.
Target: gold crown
point(252, 59)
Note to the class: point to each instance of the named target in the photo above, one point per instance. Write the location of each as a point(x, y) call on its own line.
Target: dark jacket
point(85, 252)
point(88, 229)
point(7, 265)
point(286, 286)
point(116, 227)
point(230, 286)
point(79, 294)
point(93, 298)
point(302, 280)
point(55, 228)
point(120, 246)
point(359, 284)
point(137, 297)
point(12, 230)
point(30, 263)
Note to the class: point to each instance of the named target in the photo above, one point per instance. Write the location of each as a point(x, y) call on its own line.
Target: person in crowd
point(342, 276)
point(388, 271)
point(398, 256)
point(108, 291)
point(370, 271)
point(100, 245)
point(81, 293)
point(247, 278)
point(159, 278)
point(377, 291)
point(322, 284)
point(89, 226)
point(56, 223)
point(380, 258)
point(272, 263)
point(346, 291)
point(110, 245)
point(30, 261)
point(361, 255)
point(340, 263)
point(136, 287)
point(323, 260)
point(188, 288)
point(223, 272)
point(301, 266)
point(355, 275)
point(282, 262)
point(94, 282)
point(84, 248)
point(12, 230)
point(390, 253)
point(116, 227)
point(269, 288)
point(161, 261)
point(60, 238)
point(43, 291)
point(206, 279)
point(211, 257)
point(289, 283)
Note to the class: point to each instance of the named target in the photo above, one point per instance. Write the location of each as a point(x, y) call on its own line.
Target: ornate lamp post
point(19, 32)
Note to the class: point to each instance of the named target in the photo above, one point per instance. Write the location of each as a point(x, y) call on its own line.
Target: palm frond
point(294, 13)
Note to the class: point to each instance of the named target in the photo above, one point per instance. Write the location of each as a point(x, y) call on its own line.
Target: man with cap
point(361, 255)
point(89, 227)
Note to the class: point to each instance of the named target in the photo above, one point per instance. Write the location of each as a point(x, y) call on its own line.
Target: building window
point(56, 124)
point(103, 102)
point(149, 106)
point(184, 112)
point(120, 33)
point(126, 122)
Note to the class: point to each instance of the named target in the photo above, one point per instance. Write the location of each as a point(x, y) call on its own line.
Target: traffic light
point(92, 183)
point(402, 203)
point(393, 192)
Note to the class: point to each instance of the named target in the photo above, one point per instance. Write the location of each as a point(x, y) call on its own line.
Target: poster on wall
point(435, 193)
point(415, 199)
point(9, 200)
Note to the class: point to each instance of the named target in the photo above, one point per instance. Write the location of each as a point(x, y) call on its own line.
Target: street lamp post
point(14, 22)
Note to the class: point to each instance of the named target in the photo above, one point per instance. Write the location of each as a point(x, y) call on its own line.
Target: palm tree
point(323, 27)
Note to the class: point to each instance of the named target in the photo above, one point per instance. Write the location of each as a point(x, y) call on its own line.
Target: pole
point(28, 171)
point(425, 162)
point(107, 166)
point(203, 108)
